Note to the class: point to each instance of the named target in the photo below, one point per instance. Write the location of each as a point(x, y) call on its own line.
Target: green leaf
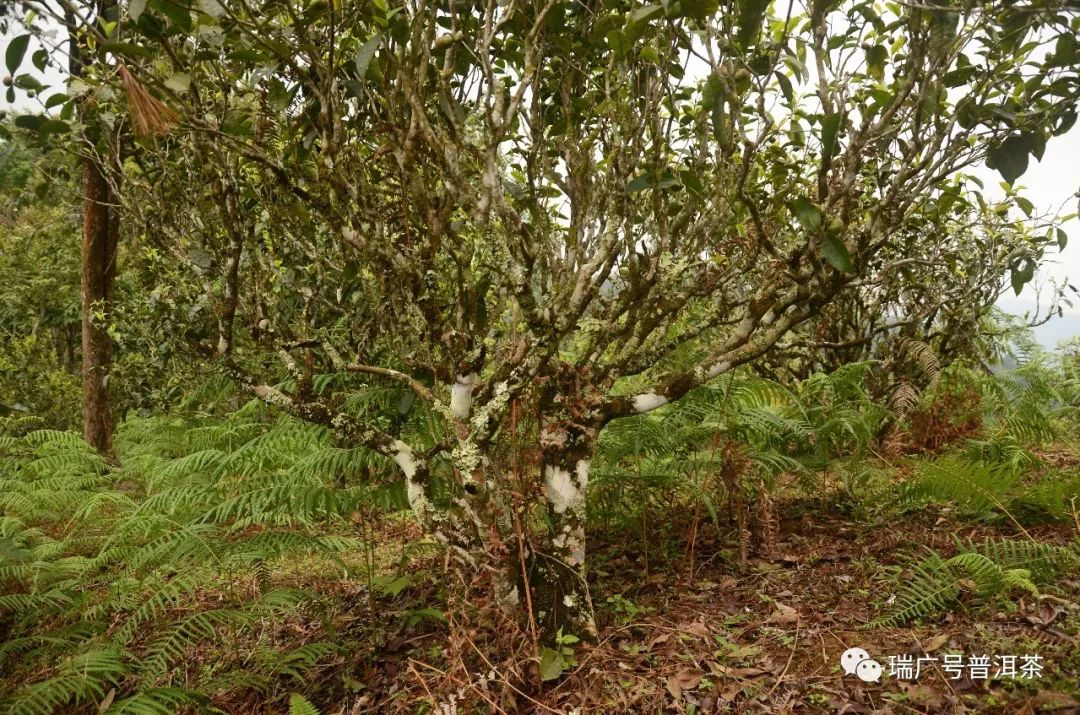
point(830, 127)
point(431, 614)
point(821, 7)
point(40, 58)
point(1026, 206)
point(836, 253)
point(129, 49)
point(178, 14)
point(213, 8)
point(52, 126)
point(785, 87)
point(29, 121)
point(393, 587)
point(1062, 239)
point(28, 81)
point(551, 664)
point(179, 82)
point(1036, 144)
point(639, 20)
point(667, 181)
point(16, 49)
point(1068, 119)
point(875, 61)
point(618, 43)
point(751, 13)
point(135, 9)
point(692, 181)
point(366, 53)
point(639, 183)
point(809, 215)
point(1010, 158)
point(1020, 273)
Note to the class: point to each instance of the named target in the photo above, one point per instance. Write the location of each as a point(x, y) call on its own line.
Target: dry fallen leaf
point(732, 691)
point(783, 614)
point(936, 643)
point(663, 638)
point(685, 679)
point(921, 694)
point(737, 673)
point(696, 628)
point(1048, 613)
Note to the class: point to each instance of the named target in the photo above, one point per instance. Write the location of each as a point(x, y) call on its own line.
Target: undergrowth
point(983, 573)
point(170, 578)
point(112, 577)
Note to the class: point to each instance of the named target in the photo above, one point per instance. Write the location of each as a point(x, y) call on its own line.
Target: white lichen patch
point(568, 601)
point(648, 401)
point(583, 475)
point(566, 491)
point(553, 437)
point(572, 541)
point(405, 459)
point(498, 401)
point(461, 396)
point(467, 457)
point(414, 491)
point(562, 493)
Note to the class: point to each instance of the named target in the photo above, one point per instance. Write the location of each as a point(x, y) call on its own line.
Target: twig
point(791, 656)
point(423, 682)
point(418, 387)
point(507, 682)
point(457, 680)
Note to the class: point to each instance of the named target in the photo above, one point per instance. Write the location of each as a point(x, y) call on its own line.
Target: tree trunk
point(99, 244)
point(557, 573)
point(230, 298)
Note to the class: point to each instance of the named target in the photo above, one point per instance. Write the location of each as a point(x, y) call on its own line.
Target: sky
point(1052, 185)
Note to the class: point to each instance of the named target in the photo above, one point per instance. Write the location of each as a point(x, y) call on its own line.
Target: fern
point(992, 488)
point(81, 679)
point(994, 569)
point(200, 505)
point(298, 705)
point(977, 486)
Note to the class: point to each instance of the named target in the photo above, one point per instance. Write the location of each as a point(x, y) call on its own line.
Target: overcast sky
point(1050, 184)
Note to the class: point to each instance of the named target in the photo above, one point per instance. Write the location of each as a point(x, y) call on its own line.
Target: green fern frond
point(978, 486)
point(159, 701)
point(995, 567)
point(298, 705)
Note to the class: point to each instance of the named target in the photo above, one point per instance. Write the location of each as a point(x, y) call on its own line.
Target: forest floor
point(692, 631)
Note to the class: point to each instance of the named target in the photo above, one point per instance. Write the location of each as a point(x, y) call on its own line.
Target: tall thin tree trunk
point(235, 229)
point(99, 245)
point(231, 296)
